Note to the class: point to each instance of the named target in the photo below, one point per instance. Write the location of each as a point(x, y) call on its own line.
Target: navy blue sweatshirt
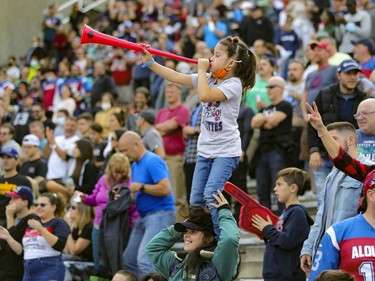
point(284, 243)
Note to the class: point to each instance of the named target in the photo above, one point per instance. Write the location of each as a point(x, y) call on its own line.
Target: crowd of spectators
point(65, 106)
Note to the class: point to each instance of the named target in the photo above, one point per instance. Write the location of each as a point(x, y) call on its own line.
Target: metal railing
point(82, 6)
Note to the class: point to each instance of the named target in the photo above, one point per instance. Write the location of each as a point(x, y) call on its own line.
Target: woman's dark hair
point(120, 116)
point(54, 199)
point(155, 276)
point(246, 61)
point(119, 133)
point(201, 216)
point(86, 150)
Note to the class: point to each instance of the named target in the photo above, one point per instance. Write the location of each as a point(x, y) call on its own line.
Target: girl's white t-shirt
point(219, 135)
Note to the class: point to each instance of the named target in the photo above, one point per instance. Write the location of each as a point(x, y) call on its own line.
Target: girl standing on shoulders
point(220, 91)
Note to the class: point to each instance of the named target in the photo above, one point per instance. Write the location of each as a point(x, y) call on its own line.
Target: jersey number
point(366, 269)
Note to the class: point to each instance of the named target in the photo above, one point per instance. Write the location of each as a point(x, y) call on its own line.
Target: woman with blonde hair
point(78, 250)
point(117, 172)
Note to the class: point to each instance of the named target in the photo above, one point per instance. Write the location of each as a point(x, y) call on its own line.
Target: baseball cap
point(23, 192)
point(321, 45)
point(347, 65)
point(11, 152)
point(149, 115)
point(369, 182)
point(194, 225)
point(367, 42)
point(31, 140)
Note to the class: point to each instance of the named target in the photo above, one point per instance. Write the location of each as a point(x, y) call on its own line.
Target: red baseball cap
point(369, 182)
point(321, 45)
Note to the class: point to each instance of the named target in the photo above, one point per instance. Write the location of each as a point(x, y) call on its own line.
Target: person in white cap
point(35, 166)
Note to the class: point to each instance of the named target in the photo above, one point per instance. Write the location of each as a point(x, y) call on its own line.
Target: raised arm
point(165, 72)
point(332, 146)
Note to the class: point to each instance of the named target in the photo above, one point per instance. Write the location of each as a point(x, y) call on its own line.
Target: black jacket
point(328, 105)
point(114, 230)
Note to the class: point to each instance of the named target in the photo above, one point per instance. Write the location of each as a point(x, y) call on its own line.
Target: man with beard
point(337, 102)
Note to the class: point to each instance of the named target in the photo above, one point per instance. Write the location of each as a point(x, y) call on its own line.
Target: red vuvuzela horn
point(90, 35)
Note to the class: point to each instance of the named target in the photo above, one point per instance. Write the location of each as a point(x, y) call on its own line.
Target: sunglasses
point(40, 204)
point(272, 86)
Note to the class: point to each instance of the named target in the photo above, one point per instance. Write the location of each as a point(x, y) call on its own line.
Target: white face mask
point(60, 121)
point(105, 106)
point(33, 63)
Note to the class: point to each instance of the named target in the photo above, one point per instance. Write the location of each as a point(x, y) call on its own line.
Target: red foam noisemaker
point(250, 207)
point(90, 35)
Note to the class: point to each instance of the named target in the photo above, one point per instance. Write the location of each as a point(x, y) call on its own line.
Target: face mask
point(220, 74)
point(60, 121)
point(35, 44)
point(105, 106)
point(33, 63)
point(49, 78)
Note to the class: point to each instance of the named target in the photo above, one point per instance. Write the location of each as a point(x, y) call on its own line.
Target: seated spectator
point(11, 264)
point(35, 167)
point(95, 136)
point(78, 249)
point(44, 240)
point(198, 234)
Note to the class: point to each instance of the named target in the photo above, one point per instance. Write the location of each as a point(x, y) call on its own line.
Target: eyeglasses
point(35, 111)
point(40, 204)
point(359, 114)
point(272, 86)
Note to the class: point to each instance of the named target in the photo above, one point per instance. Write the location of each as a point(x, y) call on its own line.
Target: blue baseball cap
point(23, 192)
point(367, 42)
point(11, 152)
point(347, 65)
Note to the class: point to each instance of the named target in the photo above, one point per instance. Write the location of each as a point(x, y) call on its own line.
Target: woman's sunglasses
point(40, 204)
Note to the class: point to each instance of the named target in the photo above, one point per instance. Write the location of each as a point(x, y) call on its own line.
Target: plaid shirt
point(192, 141)
point(351, 166)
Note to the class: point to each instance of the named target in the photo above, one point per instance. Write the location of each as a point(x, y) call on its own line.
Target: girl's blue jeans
point(210, 175)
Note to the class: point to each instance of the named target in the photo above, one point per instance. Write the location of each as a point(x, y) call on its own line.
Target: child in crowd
point(95, 135)
point(197, 231)
point(220, 91)
point(284, 240)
